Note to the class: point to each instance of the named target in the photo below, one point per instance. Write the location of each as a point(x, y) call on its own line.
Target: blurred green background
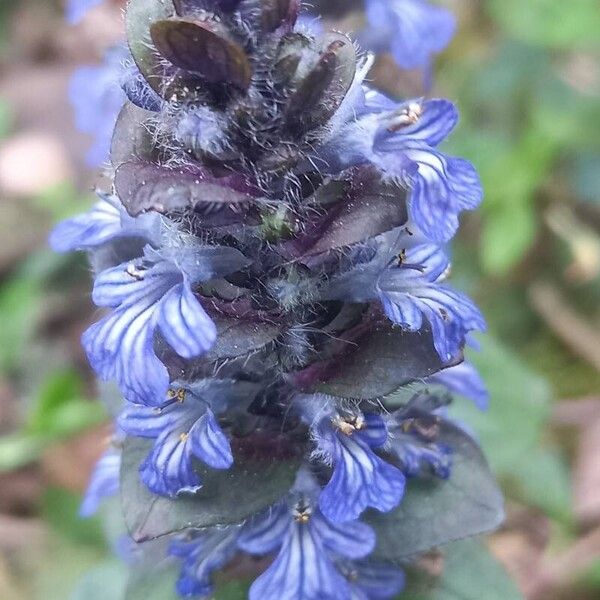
point(526, 77)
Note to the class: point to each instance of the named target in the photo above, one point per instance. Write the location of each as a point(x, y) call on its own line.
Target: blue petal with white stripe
point(202, 554)
point(185, 429)
point(149, 295)
point(105, 221)
point(360, 478)
point(410, 294)
point(305, 567)
point(401, 140)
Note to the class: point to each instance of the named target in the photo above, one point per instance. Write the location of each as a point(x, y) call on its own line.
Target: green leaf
point(104, 582)
point(542, 479)
point(139, 17)
point(229, 496)
point(507, 235)
point(61, 510)
point(435, 512)
point(511, 184)
point(18, 449)
point(232, 590)
point(19, 306)
point(569, 25)
point(386, 359)
point(470, 573)
point(61, 200)
point(519, 407)
point(59, 409)
point(6, 118)
point(154, 576)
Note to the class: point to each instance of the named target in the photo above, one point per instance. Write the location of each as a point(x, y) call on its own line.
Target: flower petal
point(205, 553)
point(376, 581)
point(121, 347)
point(103, 483)
point(77, 9)
point(463, 379)
point(360, 479)
point(93, 228)
point(168, 469)
point(184, 324)
point(209, 443)
point(265, 532)
point(301, 571)
point(351, 540)
point(413, 29)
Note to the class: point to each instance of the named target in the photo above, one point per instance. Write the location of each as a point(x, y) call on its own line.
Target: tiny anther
point(302, 513)
point(133, 271)
point(447, 272)
point(176, 394)
point(184, 436)
point(406, 117)
point(352, 575)
point(401, 257)
point(426, 428)
point(350, 424)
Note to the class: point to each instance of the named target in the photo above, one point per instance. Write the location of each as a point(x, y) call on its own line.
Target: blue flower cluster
point(411, 31)
point(271, 267)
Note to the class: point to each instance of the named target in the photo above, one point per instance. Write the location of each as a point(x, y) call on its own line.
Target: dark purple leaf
point(376, 361)
point(132, 138)
point(263, 471)
point(436, 511)
point(144, 186)
point(277, 13)
point(322, 90)
point(358, 209)
point(204, 48)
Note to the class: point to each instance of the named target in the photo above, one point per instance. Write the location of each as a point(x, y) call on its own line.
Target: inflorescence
point(271, 263)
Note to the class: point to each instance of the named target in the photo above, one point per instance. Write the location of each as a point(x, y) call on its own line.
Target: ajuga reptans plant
point(270, 264)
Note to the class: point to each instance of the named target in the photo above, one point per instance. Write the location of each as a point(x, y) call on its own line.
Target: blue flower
point(402, 142)
point(414, 437)
point(408, 286)
point(96, 96)
point(410, 292)
point(463, 379)
point(360, 478)
point(412, 30)
point(373, 581)
point(184, 429)
point(154, 293)
point(77, 9)
point(203, 553)
point(415, 454)
point(105, 221)
point(103, 483)
point(309, 545)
